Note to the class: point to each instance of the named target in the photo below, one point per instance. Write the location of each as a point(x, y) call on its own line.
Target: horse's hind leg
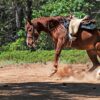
point(93, 56)
point(97, 46)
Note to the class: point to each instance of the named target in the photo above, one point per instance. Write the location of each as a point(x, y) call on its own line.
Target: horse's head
point(31, 34)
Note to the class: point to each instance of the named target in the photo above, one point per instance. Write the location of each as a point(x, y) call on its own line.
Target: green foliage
point(45, 42)
point(64, 7)
point(6, 62)
point(19, 44)
point(74, 56)
point(67, 56)
point(21, 33)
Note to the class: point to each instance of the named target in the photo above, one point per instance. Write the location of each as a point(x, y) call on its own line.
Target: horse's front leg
point(58, 49)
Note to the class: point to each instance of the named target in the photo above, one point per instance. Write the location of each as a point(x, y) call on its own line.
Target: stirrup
point(71, 38)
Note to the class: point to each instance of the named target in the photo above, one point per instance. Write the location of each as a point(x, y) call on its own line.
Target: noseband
point(31, 37)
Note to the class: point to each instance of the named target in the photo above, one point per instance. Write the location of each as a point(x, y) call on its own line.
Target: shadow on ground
point(48, 91)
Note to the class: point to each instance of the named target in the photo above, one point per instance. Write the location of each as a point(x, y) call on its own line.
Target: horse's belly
point(83, 45)
point(87, 47)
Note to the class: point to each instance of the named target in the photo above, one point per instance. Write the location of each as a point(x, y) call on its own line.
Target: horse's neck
point(42, 26)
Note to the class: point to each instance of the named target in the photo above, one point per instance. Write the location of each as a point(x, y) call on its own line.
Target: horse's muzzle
point(31, 45)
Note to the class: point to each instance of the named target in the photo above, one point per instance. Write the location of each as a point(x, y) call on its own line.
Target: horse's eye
point(29, 30)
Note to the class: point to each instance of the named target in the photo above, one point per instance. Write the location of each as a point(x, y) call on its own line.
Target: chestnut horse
point(88, 40)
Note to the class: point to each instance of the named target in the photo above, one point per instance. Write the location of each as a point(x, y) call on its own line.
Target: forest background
point(12, 32)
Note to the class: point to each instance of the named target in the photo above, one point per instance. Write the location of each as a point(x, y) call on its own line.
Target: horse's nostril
point(28, 44)
point(32, 42)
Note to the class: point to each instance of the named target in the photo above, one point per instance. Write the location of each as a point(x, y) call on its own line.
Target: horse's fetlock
point(56, 65)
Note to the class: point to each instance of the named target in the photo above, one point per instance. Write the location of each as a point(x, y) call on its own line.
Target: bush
point(19, 44)
point(44, 42)
point(21, 33)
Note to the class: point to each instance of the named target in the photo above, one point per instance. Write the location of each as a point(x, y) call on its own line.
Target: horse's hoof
point(92, 69)
point(53, 73)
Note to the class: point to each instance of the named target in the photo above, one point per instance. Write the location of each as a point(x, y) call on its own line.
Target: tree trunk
point(19, 15)
point(29, 9)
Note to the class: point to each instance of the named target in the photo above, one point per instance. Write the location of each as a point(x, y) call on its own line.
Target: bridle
point(28, 36)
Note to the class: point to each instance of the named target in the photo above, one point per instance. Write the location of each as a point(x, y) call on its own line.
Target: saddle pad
point(90, 26)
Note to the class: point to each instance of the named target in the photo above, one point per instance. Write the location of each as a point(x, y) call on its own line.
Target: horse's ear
point(28, 21)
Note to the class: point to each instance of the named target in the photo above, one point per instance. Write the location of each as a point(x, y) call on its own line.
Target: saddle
point(85, 23)
point(87, 19)
point(88, 23)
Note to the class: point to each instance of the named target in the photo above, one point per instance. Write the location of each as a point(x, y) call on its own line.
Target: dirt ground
point(32, 82)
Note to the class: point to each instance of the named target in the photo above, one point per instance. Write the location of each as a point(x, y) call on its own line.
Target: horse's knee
point(97, 46)
point(57, 52)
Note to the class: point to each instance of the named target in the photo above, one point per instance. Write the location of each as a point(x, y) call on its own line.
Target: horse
point(88, 40)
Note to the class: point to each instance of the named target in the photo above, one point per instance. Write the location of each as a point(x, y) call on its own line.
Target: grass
point(6, 62)
point(67, 56)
